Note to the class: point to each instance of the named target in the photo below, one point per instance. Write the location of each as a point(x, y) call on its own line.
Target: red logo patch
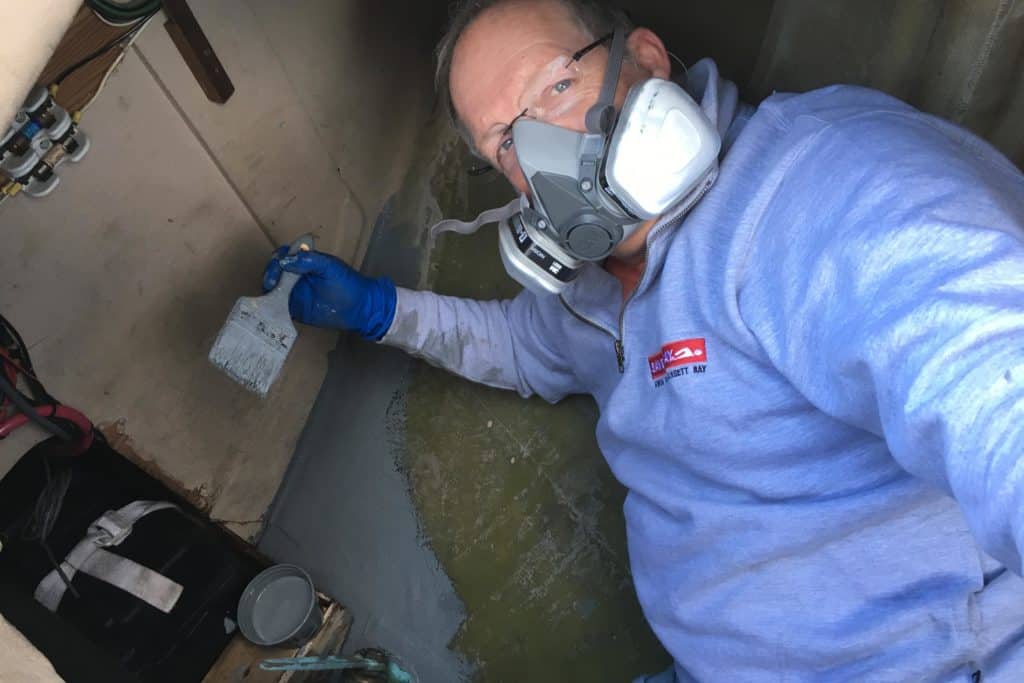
point(676, 354)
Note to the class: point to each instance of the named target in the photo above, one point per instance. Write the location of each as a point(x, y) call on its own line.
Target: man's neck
point(629, 259)
point(628, 274)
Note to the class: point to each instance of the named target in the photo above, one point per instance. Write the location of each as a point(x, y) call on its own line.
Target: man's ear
point(649, 52)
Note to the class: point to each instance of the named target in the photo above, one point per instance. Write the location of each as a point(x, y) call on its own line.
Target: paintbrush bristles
point(254, 342)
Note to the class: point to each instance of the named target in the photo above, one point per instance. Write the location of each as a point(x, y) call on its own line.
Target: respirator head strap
point(497, 215)
point(601, 116)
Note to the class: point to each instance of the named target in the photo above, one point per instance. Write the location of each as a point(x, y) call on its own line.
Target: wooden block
point(86, 34)
point(240, 661)
point(197, 52)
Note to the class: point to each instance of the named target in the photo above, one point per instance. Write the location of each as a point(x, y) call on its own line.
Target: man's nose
point(509, 167)
point(518, 180)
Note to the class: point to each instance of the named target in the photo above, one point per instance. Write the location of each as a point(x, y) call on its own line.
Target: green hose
point(123, 11)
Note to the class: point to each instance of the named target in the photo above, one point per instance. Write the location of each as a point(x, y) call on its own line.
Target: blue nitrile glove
point(331, 294)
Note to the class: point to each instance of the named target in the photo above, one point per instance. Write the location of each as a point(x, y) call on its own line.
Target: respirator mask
point(590, 191)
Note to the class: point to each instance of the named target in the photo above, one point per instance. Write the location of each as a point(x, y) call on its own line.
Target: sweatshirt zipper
point(620, 348)
point(620, 353)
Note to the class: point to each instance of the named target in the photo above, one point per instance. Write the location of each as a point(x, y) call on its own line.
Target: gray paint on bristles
point(255, 340)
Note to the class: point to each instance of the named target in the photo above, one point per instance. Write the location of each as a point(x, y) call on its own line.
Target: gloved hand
point(331, 294)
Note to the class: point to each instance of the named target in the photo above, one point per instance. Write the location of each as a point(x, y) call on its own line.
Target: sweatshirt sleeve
point(505, 344)
point(887, 284)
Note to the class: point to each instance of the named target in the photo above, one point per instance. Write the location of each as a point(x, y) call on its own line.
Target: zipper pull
point(620, 356)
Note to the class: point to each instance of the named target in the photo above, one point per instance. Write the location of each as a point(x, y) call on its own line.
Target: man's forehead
point(496, 54)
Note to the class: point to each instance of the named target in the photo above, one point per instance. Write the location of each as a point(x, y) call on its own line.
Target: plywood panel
point(86, 35)
point(119, 282)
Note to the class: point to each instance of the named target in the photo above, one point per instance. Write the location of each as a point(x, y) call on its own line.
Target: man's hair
point(594, 17)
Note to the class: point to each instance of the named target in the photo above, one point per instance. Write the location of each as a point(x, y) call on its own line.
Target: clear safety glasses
point(563, 89)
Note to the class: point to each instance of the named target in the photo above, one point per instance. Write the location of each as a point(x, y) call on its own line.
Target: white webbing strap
point(89, 557)
point(131, 577)
point(496, 215)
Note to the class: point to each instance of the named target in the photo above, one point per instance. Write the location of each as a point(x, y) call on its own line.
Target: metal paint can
point(280, 607)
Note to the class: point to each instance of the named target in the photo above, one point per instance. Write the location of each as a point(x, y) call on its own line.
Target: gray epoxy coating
point(344, 512)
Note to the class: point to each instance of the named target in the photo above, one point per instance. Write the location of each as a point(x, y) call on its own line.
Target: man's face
point(515, 60)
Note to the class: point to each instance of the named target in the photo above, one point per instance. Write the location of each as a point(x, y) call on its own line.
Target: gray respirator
point(590, 191)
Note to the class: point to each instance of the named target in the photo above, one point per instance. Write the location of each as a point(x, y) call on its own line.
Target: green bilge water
point(520, 507)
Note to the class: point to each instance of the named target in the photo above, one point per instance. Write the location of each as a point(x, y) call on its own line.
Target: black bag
point(212, 566)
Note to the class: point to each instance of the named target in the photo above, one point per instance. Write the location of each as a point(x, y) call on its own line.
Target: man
point(811, 380)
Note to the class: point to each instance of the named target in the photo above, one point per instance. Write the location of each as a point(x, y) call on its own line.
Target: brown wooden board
point(240, 662)
point(86, 35)
point(197, 52)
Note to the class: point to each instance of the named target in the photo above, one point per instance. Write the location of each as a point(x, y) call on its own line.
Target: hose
point(124, 11)
point(27, 409)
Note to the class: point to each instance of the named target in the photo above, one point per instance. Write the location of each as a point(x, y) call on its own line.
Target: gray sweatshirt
point(819, 409)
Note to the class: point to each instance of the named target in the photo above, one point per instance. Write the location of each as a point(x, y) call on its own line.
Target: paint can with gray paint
point(279, 607)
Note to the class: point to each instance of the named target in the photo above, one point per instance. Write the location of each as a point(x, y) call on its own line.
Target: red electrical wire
point(85, 428)
point(61, 412)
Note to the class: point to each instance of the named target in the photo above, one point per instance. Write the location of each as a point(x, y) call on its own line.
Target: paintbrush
point(256, 338)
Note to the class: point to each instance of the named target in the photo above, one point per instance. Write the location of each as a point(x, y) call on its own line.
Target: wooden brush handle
point(303, 243)
point(284, 286)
